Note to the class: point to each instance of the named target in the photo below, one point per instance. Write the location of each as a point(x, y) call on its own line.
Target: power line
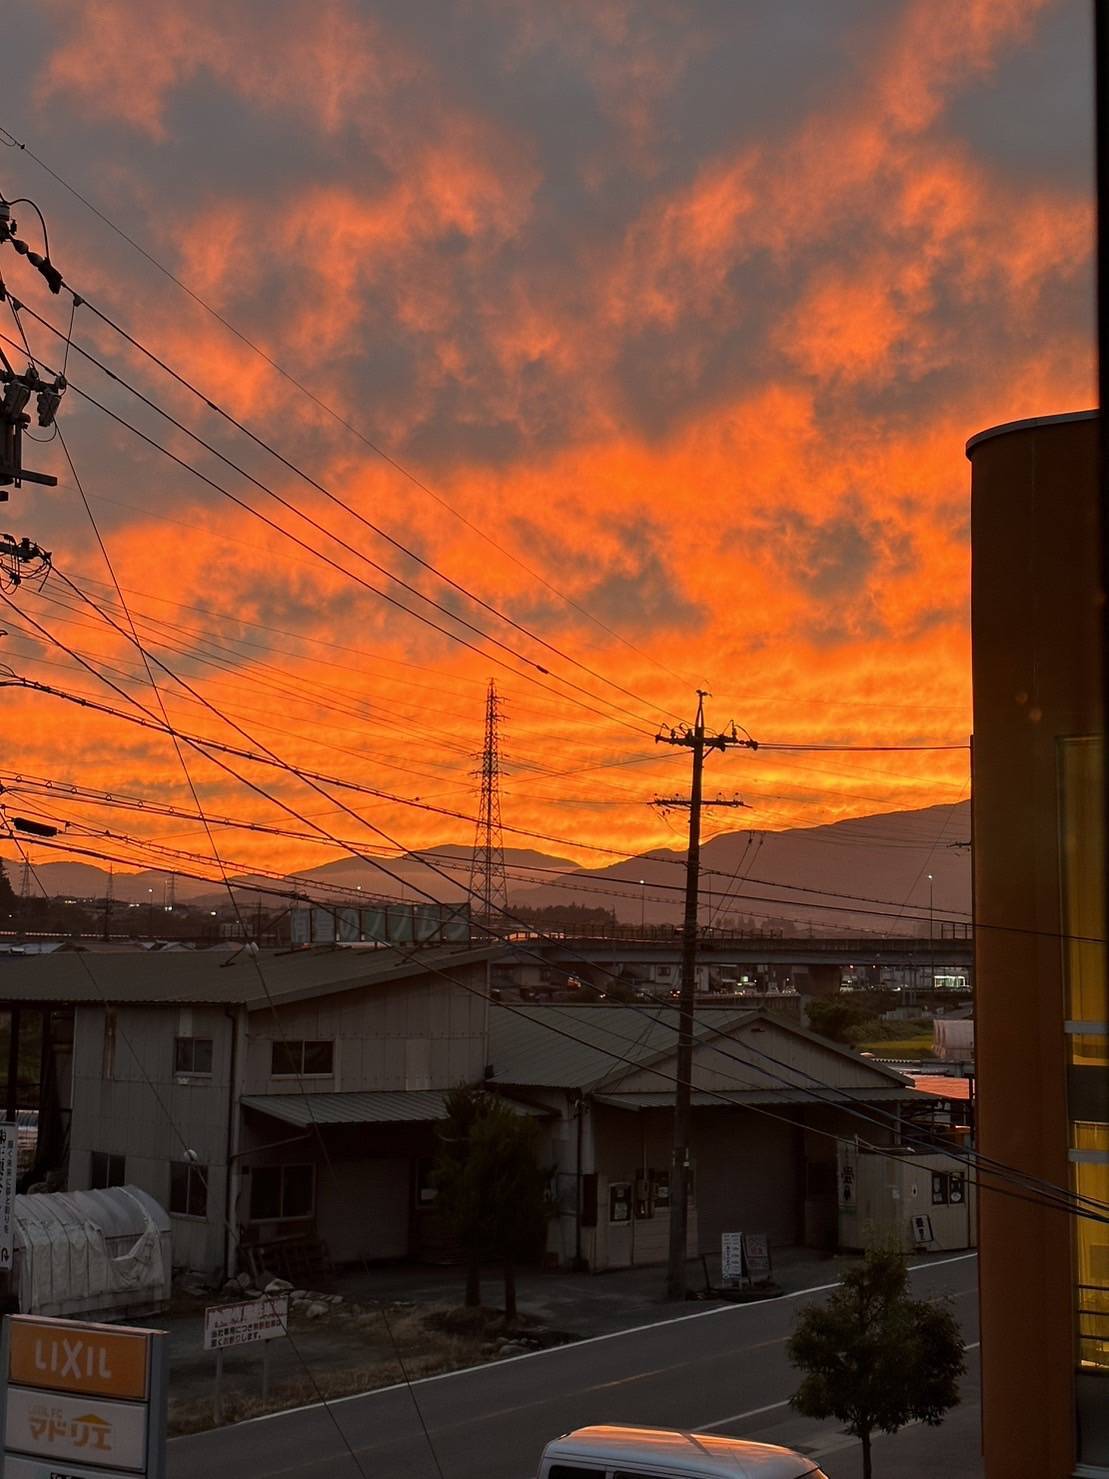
point(319, 555)
point(324, 406)
point(1057, 1197)
point(403, 549)
point(233, 900)
point(187, 1151)
point(323, 828)
point(378, 712)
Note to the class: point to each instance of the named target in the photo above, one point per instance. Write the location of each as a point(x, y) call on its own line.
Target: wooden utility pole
point(698, 742)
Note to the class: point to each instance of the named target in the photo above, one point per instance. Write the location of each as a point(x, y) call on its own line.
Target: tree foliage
point(492, 1189)
point(874, 1358)
point(839, 1021)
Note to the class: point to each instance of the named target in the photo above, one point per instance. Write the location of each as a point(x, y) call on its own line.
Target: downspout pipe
point(232, 1177)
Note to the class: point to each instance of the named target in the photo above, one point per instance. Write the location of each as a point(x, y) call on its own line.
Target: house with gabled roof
point(281, 1105)
point(772, 1103)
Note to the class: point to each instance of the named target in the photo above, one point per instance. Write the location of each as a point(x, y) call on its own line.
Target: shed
point(104, 1253)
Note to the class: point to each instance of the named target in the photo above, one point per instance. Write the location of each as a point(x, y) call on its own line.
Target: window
point(572, 1471)
point(188, 1189)
point(297, 1057)
point(1090, 1172)
point(281, 1192)
point(192, 1055)
point(106, 1170)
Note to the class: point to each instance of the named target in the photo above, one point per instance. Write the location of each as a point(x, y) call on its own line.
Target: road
point(722, 1370)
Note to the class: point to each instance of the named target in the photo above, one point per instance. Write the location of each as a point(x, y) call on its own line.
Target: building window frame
point(187, 1050)
point(302, 1057)
point(285, 1172)
point(106, 1169)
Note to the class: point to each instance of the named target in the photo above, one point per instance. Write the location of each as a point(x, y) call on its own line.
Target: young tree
point(512, 1192)
point(459, 1194)
point(874, 1358)
point(491, 1187)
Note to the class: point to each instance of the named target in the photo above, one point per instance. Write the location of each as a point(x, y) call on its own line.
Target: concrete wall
point(889, 1192)
point(127, 1100)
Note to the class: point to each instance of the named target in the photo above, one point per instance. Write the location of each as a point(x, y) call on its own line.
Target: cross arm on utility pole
point(707, 801)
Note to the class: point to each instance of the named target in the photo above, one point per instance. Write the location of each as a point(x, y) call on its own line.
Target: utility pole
point(697, 741)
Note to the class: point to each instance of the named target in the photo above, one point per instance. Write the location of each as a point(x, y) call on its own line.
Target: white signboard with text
point(76, 1429)
point(731, 1258)
point(756, 1256)
point(240, 1324)
point(8, 1153)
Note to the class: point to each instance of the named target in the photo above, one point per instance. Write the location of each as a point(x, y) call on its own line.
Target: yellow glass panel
point(1082, 856)
point(1091, 1179)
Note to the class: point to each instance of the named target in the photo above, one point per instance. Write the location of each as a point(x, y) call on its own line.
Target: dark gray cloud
point(1032, 117)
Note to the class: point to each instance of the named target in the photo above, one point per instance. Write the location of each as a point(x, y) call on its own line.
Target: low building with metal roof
point(772, 1103)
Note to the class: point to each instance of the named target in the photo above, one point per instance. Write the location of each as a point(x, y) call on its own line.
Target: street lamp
point(642, 905)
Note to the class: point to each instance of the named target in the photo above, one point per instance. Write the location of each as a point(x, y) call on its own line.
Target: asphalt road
point(723, 1370)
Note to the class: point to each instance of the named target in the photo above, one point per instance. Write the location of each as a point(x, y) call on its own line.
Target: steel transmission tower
point(488, 886)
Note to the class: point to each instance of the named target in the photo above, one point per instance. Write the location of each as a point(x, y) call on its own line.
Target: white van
point(617, 1452)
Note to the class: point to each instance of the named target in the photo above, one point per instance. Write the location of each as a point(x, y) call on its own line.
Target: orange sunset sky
point(674, 319)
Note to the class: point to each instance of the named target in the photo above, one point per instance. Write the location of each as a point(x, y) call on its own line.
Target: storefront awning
point(385, 1106)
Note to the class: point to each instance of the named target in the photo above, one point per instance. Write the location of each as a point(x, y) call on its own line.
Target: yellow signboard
point(94, 1360)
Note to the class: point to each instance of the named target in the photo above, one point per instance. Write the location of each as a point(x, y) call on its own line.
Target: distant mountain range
point(868, 873)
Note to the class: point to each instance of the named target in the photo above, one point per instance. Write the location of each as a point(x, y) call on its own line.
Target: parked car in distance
point(617, 1452)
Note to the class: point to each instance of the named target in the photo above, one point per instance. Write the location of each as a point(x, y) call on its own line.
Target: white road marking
point(576, 1345)
point(738, 1417)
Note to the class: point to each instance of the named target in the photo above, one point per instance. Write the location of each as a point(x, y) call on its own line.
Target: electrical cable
point(319, 555)
point(188, 1153)
point(335, 415)
point(181, 681)
point(233, 900)
point(1058, 1198)
point(322, 529)
point(34, 784)
point(319, 487)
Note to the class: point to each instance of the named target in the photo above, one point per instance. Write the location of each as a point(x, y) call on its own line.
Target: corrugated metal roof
point(703, 1098)
point(600, 1048)
point(375, 1107)
point(572, 1047)
point(399, 1106)
point(941, 1086)
point(218, 977)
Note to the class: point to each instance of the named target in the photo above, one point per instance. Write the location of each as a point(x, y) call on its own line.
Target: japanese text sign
point(8, 1154)
point(240, 1324)
point(81, 1429)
